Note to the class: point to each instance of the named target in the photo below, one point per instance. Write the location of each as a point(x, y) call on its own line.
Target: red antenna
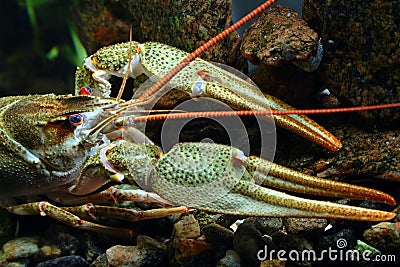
point(185, 115)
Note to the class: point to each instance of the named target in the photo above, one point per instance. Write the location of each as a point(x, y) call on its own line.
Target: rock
point(18, 263)
point(276, 39)
point(295, 225)
point(343, 239)
point(279, 36)
point(183, 249)
point(226, 220)
point(231, 259)
point(313, 14)
point(67, 243)
point(272, 263)
point(20, 248)
point(267, 226)
point(8, 224)
point(216, 233)
point(297, 91)
point(49, 251)
point(143, 240)
point(188, 227)
point(247, 241)
point(186, 241)
point(148, 252)
point(358, 66)
point(134, 256)
point(100, 261)
point(98, 25)
point(91, 248)
point(362, 247)
point(71, 261)
point(297, 243)
point(384, 236)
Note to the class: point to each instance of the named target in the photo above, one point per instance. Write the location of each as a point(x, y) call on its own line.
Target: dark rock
point(343, 239)
point(227, 220)
point(247, 241)
point(361, 54)
point(8, 224)
point(296, 91)
point(90, 247)
point(313, 13)
point(297, 243)
point(216, 233)
point(267, 226)
point(231, 259)
point(100, 261)
point(72, 261)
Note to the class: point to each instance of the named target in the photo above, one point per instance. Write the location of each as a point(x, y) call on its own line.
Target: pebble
point(385, 236)
point(267, 226)
point(100, 261)
point(362, 247)
point(186, 241)
point(335, 240)
point(20, 248)
point(70, 261)
point(67, 243)
point(187, 227)
point(295, 225)
point(90, 248)
point(247, 241)
point(275, 39)
point(231, 259)
point(8, 224)
point(134, 256)
point(216, 233)
point(50, 251)
point(272, 263)
point(298, 243)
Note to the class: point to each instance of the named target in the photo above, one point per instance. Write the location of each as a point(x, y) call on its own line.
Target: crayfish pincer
point(66, 147)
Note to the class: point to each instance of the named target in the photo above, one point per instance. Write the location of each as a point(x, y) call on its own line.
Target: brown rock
point(384, 236)
point(188, 227)
point(280, 36)
point(186, 241)
point(98, 26)
point(216, 233)
point(295, 225)
point(185, 248)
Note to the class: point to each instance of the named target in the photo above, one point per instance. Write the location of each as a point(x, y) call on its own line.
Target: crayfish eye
point(85, 90)
point(76, 119)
